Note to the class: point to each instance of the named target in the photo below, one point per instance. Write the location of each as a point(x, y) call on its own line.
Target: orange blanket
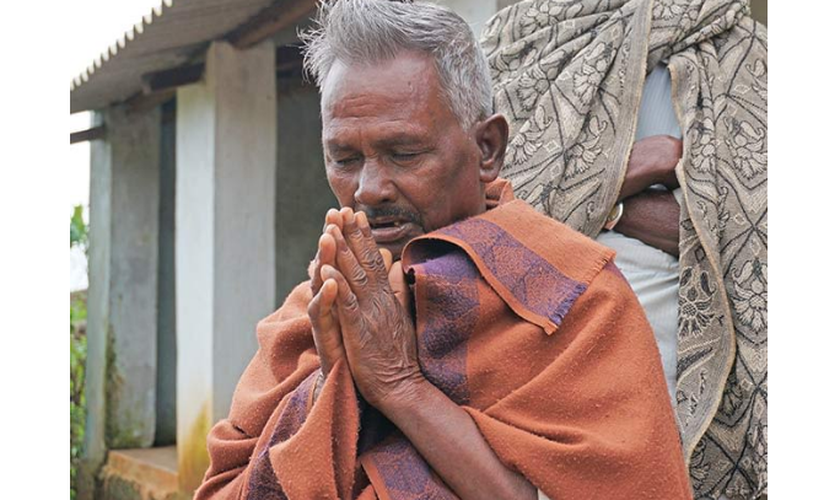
point(524, 323)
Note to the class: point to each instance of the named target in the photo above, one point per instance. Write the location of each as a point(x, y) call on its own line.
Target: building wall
point(165, 423)
point(303, 194)
point(759, 10)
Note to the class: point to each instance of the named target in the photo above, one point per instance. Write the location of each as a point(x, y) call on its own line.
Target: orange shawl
point(520, 320)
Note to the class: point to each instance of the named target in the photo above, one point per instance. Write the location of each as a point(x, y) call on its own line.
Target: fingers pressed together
point(348, 264)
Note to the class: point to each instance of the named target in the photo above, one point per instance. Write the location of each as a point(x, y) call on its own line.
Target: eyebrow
point(401, 140)
point(337, 146)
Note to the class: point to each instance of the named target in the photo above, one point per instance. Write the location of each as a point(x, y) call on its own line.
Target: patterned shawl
point(568, 75)
point(523, 322)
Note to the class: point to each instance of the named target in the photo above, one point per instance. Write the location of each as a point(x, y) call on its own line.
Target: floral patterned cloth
point(568, 75)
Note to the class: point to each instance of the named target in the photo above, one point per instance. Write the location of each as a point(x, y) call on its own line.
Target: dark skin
point(401, 165)
point(652, 216)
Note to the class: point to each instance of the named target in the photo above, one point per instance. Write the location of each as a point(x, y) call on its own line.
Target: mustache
point(392, 211)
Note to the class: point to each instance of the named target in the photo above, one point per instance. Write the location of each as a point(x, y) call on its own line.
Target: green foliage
point(78, 354)
point(78, 229)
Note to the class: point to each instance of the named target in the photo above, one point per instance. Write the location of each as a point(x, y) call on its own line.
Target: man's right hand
point(653, 160)
point(326, 331)
point(325, 327)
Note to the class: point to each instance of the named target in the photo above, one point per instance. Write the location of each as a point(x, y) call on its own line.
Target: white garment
point(653, 274)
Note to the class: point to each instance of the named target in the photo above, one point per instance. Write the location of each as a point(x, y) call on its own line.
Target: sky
point(99, 24)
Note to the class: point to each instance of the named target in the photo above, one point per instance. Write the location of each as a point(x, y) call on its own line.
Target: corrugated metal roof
point(169, 36)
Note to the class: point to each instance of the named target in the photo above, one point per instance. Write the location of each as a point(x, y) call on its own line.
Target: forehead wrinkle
point(388, 99)
point(372, 102)
point(390, 120)
point(416, 70)
point(362, 104)
point(395, 132)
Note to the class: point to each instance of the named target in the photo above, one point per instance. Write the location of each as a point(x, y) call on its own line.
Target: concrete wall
point(135, 157)
point(165, 425)
point(224, 240)
point(123, 266)
point(759, 10)
point(122, 308)
point(99, 275)
point(303, 194)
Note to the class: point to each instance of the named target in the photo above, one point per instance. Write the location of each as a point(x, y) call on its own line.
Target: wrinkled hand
point(376, 330)
point(653, 160)
point(325, 326)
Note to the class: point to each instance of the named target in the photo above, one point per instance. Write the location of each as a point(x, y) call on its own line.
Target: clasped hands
point(359, 310)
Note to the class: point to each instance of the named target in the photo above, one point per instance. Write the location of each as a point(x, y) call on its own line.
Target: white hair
point(369, 31)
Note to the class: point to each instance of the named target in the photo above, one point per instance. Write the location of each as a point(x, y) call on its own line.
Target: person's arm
point(652, 217)
point(268, 379)
point(451, 443)
point(381, 350)
point(653, 160)
point(260, 393)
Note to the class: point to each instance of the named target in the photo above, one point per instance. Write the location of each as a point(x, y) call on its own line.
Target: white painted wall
point(226, 135)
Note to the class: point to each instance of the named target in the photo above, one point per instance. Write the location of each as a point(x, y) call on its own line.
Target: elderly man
point(503, 356)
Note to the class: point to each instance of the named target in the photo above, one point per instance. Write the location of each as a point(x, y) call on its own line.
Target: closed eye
point(346, 162)
point(405, 156)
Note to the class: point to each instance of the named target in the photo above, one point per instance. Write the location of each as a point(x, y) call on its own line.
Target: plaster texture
point(122, 298)
point(224, 240)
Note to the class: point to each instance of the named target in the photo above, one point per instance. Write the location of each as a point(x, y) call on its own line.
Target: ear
point(491, 135)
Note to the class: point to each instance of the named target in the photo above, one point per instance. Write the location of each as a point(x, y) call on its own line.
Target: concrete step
point(142, 474)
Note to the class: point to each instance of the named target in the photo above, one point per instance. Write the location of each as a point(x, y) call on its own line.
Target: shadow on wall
point(759, 11)
point(303, 194)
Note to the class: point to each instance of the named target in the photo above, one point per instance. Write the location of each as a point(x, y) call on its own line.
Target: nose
point(376, 187)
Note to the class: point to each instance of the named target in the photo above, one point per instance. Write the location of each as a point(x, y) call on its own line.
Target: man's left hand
point(377, 332)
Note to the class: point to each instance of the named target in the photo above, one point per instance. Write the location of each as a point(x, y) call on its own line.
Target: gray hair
point(368, 31)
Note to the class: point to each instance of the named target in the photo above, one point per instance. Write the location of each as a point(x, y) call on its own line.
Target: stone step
point(142, 474)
